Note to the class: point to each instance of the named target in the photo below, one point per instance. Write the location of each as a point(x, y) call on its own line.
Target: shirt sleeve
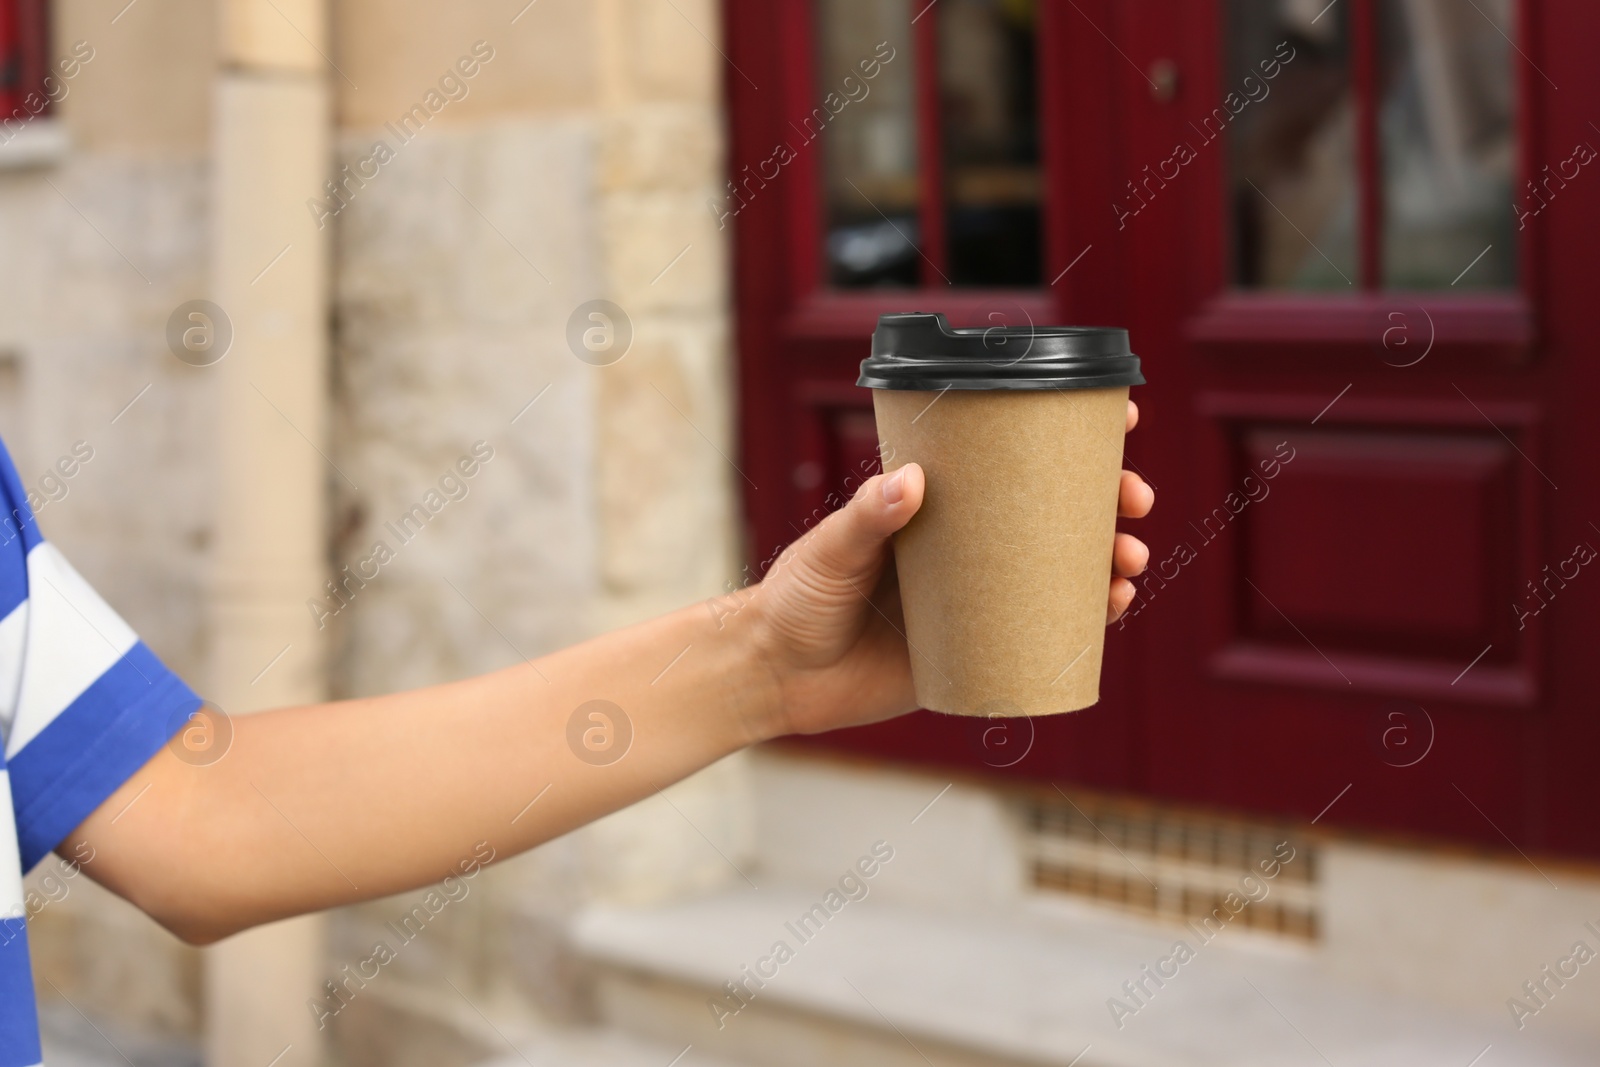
point(83, 702)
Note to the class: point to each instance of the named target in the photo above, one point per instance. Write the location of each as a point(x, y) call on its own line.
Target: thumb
point(849, 544)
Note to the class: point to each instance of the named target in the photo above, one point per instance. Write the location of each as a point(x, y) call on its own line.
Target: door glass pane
point(988, 105)
point(990, 179)
point(865, 121)
point(1288, 113)
point(1446, 127)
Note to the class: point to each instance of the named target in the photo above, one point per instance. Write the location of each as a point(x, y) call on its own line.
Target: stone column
point(269, 273)
point(666, 484)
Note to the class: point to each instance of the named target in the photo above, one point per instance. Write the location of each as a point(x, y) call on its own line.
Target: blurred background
point(269, 269)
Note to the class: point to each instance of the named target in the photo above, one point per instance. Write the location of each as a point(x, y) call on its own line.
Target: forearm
point(318, 806)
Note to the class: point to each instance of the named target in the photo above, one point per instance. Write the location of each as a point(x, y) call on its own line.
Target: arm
point(318, 806)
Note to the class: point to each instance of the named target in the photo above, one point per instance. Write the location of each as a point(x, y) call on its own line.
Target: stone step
point(878, 982)
point(600, 1048)
point(407, 1024)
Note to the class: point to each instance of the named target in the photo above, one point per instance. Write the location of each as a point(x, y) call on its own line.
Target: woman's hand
point(829, 621)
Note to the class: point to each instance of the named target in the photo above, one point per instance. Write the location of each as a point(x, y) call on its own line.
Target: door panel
point(1364, 591)
point(1382, 557)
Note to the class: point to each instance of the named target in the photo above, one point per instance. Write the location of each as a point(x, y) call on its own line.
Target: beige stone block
point(962, 851)
point(147, 88)
point(275, 34)
point(452, 317)
point(664, 252)
point(488, 226)
point(661, 146)
point(671, 50)
point(395, 51)
point(667, 468)
point(518, 548)
point(659, 478)
point(693, 837)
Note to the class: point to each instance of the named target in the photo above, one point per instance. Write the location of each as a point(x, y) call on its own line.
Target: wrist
point(762, 712)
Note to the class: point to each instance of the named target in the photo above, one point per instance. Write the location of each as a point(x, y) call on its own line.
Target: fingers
point(1129, 556)
point(1121, 596)
point(849, 543)
point(1135, 498)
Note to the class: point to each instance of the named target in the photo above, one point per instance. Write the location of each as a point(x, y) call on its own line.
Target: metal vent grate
point(1179, 866)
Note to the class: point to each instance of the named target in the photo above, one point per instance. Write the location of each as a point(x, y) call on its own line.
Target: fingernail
point(894, 487)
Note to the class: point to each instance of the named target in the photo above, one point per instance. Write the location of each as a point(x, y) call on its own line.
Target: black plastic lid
point(918, 350)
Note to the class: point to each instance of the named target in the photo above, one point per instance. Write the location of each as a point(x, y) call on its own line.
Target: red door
point(23, 33)
point(1350, 240)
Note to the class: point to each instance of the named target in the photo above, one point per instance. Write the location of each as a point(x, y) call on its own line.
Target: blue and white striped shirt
point(83, 704)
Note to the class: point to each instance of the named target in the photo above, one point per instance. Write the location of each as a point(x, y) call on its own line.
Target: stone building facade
point(405, 210)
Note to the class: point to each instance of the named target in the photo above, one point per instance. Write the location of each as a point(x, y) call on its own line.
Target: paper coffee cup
point(1005, 570)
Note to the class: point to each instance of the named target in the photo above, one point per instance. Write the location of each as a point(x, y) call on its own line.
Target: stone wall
point(575, 166)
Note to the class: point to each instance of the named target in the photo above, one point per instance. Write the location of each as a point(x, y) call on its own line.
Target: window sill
point(39, 143)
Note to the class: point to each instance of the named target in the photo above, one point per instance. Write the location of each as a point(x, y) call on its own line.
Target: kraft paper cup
point(1005, 570)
